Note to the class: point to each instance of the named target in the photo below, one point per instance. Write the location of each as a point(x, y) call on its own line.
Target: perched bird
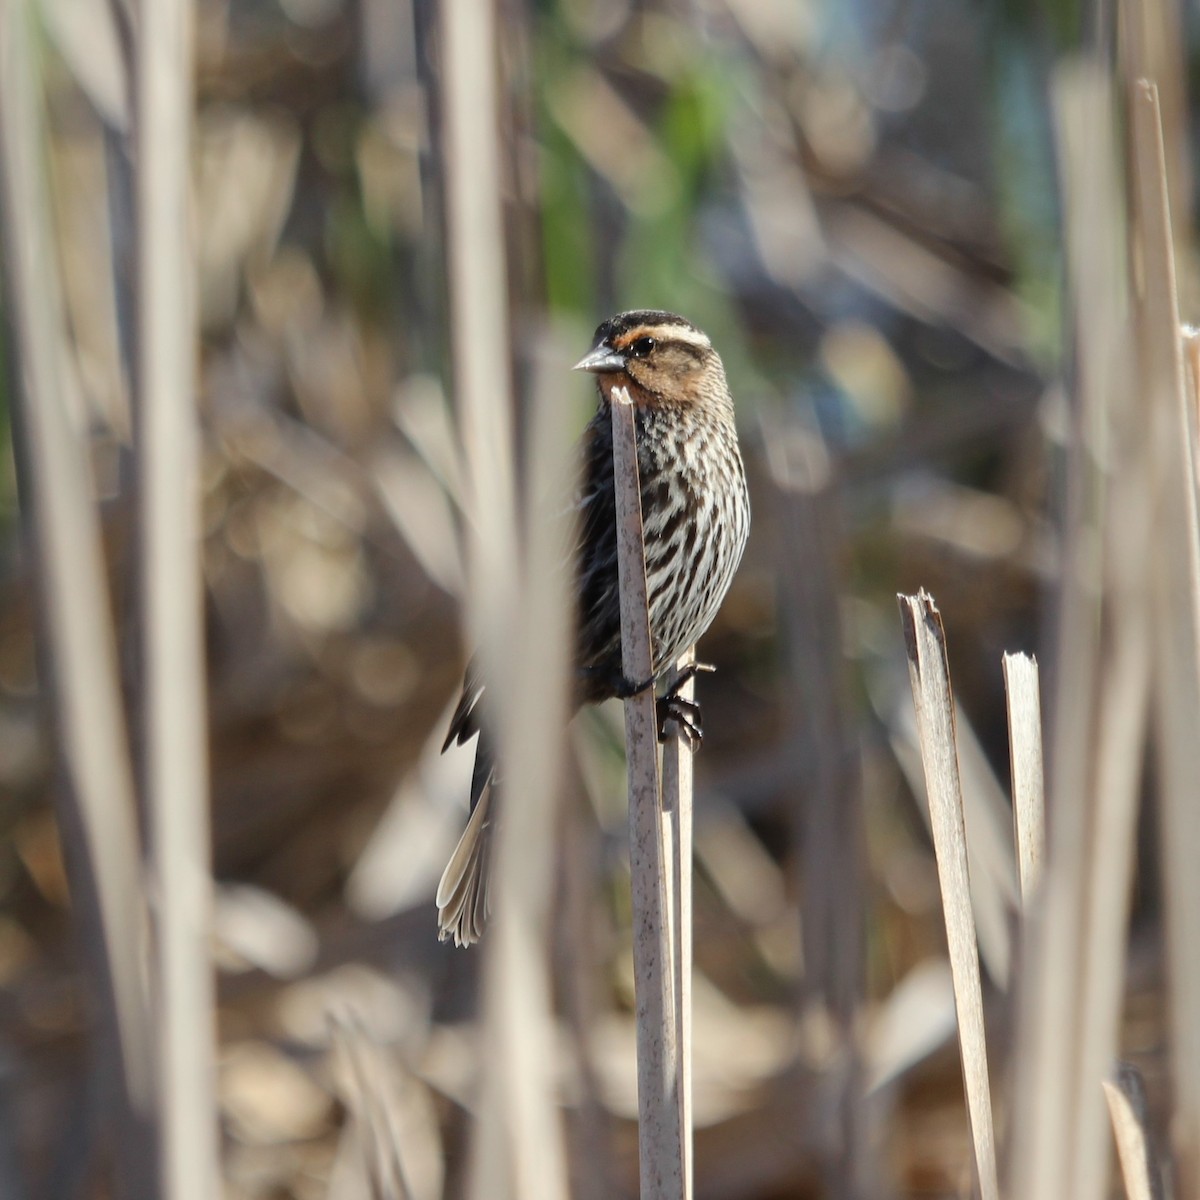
point(696, 516)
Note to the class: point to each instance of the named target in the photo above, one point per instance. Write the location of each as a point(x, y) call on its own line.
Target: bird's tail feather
point(463, 900)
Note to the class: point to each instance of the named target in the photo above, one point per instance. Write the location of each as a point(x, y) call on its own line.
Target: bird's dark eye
point(641, 347)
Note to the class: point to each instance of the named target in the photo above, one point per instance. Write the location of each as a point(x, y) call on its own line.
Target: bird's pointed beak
point(601, 361)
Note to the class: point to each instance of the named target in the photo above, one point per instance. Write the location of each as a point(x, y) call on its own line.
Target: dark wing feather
point(464, 725)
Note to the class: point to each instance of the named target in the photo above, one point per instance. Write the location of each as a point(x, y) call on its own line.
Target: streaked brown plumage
point(696, 514)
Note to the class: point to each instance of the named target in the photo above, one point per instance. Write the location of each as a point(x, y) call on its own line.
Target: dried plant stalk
point(95, 796)
point(518, 1147)
point(1126, 1096)
point(677, 837)
point(531, 719)
point(1075, 938)
point(1176, 627)
point(929, 674)
point(660, 1136)
point(1028, 779)
point(176, 771)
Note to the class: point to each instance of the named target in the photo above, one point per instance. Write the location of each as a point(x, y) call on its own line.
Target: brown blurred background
point(858, 204)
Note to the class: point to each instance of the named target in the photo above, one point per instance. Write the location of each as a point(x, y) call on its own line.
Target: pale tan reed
point(925, 643)
point(660, 1133)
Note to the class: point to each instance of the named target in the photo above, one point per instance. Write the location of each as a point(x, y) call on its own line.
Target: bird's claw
point(686, 714)
point(687, 718)
point(671, 706)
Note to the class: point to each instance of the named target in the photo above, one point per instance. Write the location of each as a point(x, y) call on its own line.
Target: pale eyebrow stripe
point(665, 333)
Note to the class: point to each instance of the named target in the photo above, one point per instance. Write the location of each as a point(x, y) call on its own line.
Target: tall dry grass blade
point(929, 674)
point(1175, 568)
point(518, 1150)
point(96, 800)
point(1024, 702)
point(531, 720)
point(175, 738)
point(1075, 931)
point(677, 836)
point(1126, 1096)
point(660, 1136)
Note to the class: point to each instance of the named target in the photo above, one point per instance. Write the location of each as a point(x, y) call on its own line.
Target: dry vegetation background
point(861, 205)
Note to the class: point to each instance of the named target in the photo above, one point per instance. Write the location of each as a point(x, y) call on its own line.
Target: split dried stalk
point(660, 1135)
point(1023, 694)
point(176, 771)
point(677, 837)
point(929, 674)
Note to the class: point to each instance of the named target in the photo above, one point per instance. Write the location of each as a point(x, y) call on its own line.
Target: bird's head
point(661, 358)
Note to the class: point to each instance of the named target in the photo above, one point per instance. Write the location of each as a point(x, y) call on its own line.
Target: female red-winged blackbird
point(696, 515)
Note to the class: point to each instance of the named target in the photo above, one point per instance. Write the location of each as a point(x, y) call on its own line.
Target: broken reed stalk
point(175, 737)
point(95, 792)
point(517, 1148)
point(1126, 1096)
point(1023, 695)
point(677, 836)
point(660, 1134)
point(929, 674)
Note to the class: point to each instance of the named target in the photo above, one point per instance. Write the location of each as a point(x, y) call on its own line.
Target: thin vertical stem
point(659, 1137)
point(1176, 624)
point(176, 770)
point(925, 641)
point(518, 1150)
point(677, 823)
point(96, 795)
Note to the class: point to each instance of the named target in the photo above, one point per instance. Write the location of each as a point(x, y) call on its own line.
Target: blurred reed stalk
point(677, 821)
point(827, 801)
point(1175, 605)
point(174, 708)
point(661, 1134)
point(520, 631)
point(929, 674)
point(95, 794)
point(1075, 932)
point(1125, 1094)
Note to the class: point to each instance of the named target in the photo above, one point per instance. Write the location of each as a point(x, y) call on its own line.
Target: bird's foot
point(671, 706)
point(686, 714)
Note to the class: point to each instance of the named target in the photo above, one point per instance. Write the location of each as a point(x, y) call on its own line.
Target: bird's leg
point(625, 688)
point(671, 706)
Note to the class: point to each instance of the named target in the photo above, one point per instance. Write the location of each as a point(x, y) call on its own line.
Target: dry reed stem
point(925, 644)
point(1176, 602)
point(1126, 1096)
point(518, 1148)
point(677, 837)
point(1064, 1035)
point(176, 772)
point(96, 796)
point(1024, 704)
point(1121, 707)
point(660, 1135)
point(531, 719)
